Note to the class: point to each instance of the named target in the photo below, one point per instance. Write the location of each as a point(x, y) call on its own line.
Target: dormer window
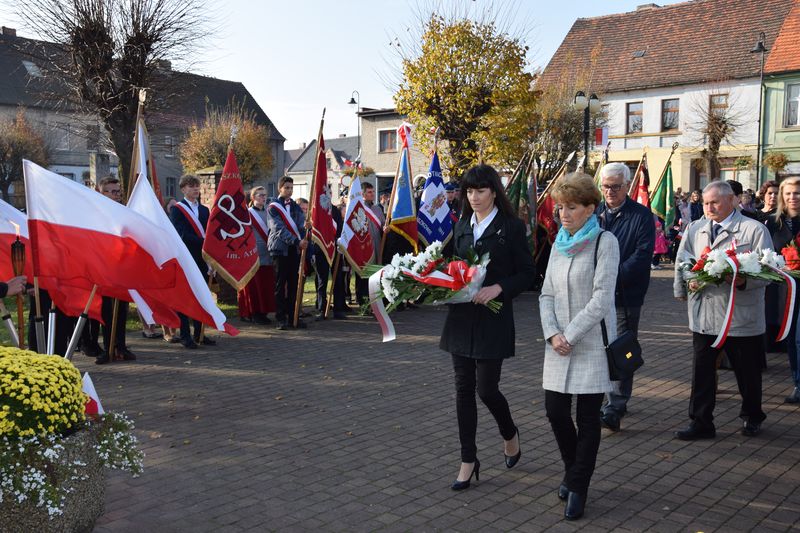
point(32, 68)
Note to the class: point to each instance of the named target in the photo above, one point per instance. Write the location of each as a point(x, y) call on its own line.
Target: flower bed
point(51, 455)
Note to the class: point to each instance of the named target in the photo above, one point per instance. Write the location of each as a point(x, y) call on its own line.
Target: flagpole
point(635, 181)
point(388, 222)
point(76, 334)
point(541, 197)
point(301, 277)
point(38, 321)
point(112, 342)
point(6, 318)
point(334, 274)
point(514, 174)
point(664, 171)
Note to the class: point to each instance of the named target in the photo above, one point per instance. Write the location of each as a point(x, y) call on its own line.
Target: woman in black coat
point(478, 338)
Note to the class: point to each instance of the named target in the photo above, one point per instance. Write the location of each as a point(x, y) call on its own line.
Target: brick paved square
point(330, 429)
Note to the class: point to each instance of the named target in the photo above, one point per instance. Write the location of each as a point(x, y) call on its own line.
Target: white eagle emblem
point(325, 198)
point(359, 221)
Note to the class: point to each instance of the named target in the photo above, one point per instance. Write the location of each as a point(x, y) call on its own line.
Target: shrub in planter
point(51, 455)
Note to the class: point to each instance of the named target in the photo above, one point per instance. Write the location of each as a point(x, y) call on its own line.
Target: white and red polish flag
point(80, 238)
point(93, 405)
point(190, 295)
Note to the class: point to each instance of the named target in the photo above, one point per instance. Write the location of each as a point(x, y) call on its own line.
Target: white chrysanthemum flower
point(771, 258)
point(716, 264)
point(748, 262)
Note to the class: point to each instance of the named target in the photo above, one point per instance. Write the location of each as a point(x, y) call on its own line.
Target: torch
point(18, 264)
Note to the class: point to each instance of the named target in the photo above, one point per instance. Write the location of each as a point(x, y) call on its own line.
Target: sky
point(297, 57)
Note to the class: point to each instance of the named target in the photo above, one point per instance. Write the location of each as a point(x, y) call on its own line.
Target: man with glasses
point(634, 227)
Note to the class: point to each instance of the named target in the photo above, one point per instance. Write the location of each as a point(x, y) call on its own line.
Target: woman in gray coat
point(575, 297)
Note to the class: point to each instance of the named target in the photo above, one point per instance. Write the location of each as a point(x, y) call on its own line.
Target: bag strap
point(602, 321)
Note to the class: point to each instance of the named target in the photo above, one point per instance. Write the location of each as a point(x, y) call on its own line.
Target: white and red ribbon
point(726, 327)
point(287, 219)
point(378, 310)
point(260, 227)
point(192, 218)
point(788, 310)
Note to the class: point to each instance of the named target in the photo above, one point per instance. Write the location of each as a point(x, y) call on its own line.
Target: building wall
point(778, 137)
point(743, 99)
point(385, 164)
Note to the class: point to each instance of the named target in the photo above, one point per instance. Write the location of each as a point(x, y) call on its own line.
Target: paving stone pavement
point(329, 429)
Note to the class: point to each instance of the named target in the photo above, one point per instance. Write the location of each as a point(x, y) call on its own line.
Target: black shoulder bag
point(624, 354)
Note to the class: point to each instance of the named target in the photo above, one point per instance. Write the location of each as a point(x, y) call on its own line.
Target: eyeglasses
point(613, 188)
point(261, 194)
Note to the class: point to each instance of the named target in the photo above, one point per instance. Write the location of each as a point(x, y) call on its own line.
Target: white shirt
point(194, 207)
point(479, 227)
point(725, 223)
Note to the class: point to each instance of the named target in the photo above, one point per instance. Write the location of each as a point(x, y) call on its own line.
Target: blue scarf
point(570, 245)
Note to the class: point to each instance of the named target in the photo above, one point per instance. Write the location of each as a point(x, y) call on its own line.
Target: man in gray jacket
point(723, 226)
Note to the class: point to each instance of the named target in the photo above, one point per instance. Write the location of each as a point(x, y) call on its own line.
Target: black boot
point(575, 504)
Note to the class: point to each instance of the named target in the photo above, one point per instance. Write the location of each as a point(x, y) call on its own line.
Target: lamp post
point(355, 99)
point(760, 48)
point(588, 106)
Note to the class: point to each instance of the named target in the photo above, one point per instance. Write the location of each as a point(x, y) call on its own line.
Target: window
point(61, 132)
point(717, 104)
point(169, 146)
point(792, 106)
point(32, 69)
point(171, 186)
point(634, 114)
point(387, 141)
point(93, 137)
point(669, 114)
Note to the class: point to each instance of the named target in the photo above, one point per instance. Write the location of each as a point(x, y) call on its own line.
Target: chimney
point(11, 32)
point(164, 64)
point(644, 7)
point(303, 146)
point(342, 135)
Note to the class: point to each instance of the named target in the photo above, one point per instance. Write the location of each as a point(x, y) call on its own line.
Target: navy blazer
point(635, 230)
point(187, 234)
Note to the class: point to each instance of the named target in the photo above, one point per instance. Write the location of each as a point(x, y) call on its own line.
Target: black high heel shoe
point(512, 460)
point(563, 492)
point(461, 485)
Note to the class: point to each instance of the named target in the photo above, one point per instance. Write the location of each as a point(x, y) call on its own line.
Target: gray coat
point(575, 297)
point(707, 307)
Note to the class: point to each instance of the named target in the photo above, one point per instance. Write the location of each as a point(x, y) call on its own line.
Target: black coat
point(472, 330)
point(780, 232)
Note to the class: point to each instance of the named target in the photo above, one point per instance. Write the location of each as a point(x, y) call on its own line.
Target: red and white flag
point(190, 294)
point(641, 183)
point(323, 227)
point(230, 244)
point(355, 243)
point(80, 238)
point(93, 405)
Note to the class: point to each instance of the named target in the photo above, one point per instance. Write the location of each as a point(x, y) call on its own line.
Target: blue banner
point(433, 218)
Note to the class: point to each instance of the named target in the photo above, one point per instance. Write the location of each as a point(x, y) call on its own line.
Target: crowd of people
point(596, 279)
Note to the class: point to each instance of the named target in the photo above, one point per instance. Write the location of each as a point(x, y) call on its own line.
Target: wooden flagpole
point(112, 342)
point(664, 171)
point(635, 181)
point(301, 277)
point(516, 169)
point(561, 170)
point(388, 222)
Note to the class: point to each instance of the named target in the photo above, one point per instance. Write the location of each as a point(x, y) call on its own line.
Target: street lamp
point(760, 48)
point(588, 106)
point(355, 99)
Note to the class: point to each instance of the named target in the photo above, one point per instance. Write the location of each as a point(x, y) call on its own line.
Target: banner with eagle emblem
point(355, 243)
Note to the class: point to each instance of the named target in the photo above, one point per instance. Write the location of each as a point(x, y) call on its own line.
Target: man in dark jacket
point(190, 219)
point(634, 227)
